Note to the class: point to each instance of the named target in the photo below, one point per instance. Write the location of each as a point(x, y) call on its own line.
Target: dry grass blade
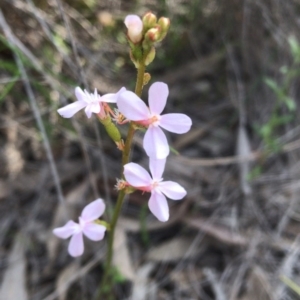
point(34, 107)
point(121, 258)
point(173, 250)
point(80, 273)
point(194, 69)
point(140, 283)
point(15, 42)
point(258, 285)
point(216, 285)
point(64, 280)
point(14, 279)
point(244, 150)
point(229, 160)
point(217, 232)
point(13, 156)
point(286, 269)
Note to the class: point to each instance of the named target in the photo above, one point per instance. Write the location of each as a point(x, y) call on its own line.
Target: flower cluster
point(141, 34)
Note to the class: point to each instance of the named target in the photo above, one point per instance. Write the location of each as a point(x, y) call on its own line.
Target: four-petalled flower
point(140, 179)
point(91, 102)
point(133, 108)
point(86, 226)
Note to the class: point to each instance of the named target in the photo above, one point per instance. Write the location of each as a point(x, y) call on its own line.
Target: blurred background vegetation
point(233, 66)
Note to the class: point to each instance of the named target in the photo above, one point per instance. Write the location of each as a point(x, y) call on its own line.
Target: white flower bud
point(134, 25)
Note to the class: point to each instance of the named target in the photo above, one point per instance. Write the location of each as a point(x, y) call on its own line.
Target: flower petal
point(158, 94)
point(70, 110)
point(95, 107)
point(80, 95)
point(67, 230)
point(76, 246)
point(135, 27)
point(93, 210)
point(136, 175)
point(134, 23)
point(111, 97)
point(94, 232)
point(132, 107)
point(158, 205)
point(157, 167)
point(172, 190)
point(155, 143)
point(177, 123)
point(88, 110)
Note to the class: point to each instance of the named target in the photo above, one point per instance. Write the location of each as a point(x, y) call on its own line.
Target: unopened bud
point(103, 223)
point(134, 59)
point(153, 34)
point(149, 20)
point(111, 129)
point(164, 24)
point(147, 78)
point(134, 25)
point(150, 57)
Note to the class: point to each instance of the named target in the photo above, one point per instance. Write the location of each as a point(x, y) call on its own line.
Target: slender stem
point(125, 159)
point(140, 79)
point(138, 90)
point(114, 220)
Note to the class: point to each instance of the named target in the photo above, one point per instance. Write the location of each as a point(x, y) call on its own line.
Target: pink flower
point(86, 226)
point(133, 108)
point(134, 25)
point(91, 102)
point(140, 179)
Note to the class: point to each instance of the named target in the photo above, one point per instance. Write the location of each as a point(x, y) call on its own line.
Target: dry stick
point(223, 161)
point(37, 14)
point(243, 145)
point(74, 48)
point(26, 52)
point(82, 272)
point(81, 74)
point(96, 129)
point(286, 268)
point(41, 127)
point(35, 109)
point(215, 283)
point(285, 219)
point(56, 85)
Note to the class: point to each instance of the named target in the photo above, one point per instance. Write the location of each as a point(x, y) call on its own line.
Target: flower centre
point(82, 223)
point(154, 120)
point(155, 183)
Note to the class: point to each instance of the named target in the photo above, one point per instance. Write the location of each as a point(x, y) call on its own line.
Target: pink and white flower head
point(134, 25)
point(91, 102)
point(86, 226)
point(133, 108)
point(140, 179)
